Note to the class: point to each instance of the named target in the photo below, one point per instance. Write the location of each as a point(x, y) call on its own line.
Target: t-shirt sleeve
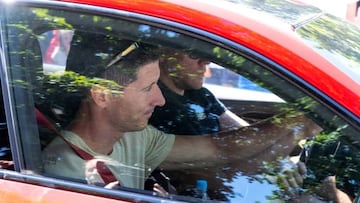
point(159, 145)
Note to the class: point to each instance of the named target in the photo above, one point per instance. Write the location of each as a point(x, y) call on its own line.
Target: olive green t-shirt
point(133, 157)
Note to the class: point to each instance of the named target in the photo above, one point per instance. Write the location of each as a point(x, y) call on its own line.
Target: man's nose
point(159, 99)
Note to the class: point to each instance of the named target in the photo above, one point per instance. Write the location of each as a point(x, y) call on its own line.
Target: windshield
point(285, 10)
point(337, 41)
point(323, 32)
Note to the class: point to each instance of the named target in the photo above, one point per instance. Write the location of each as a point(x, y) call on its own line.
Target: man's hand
point(289, 178)
point(282, 132)
point(329, 191)
point(160, 190)
point(292, 178)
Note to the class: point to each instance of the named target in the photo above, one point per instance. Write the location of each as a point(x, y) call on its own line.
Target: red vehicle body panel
point(259, 34)
point(262, 35)
point(16, 192)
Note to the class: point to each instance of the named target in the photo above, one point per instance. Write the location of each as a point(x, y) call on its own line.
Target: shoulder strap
point(101, 167)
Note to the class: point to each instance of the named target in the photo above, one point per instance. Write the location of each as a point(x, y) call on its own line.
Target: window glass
point(311, 25)
point(229, 85)
point(330, 44)
point(67, 64)
point(6, 161)
point(55, 47)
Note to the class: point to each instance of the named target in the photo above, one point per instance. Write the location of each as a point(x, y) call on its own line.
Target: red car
point(294, 59)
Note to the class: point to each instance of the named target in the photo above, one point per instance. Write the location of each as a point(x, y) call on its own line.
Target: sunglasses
point(121, 55)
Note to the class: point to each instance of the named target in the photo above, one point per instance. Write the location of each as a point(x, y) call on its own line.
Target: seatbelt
point(103, 170)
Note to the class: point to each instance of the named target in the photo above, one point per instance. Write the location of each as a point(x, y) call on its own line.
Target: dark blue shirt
point(196, 112)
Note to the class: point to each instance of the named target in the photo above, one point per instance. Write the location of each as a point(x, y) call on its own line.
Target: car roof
point(257, 30)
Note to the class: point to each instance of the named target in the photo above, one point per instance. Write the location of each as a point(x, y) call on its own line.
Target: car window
point(224, 82)
point(6, 161)
point(63, 53)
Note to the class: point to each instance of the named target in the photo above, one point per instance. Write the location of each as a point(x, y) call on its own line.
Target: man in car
point(190, 108)
point(111, 125)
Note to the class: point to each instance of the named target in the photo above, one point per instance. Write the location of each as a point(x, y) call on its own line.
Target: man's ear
point(100, 95)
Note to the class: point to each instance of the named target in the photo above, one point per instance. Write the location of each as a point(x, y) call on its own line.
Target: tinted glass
point(332, 37)
point(62, 55)
point(288, 11)
point(330, 43)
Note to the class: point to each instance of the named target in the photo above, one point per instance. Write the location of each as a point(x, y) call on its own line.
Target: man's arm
point(245, 143)
point(190, 150)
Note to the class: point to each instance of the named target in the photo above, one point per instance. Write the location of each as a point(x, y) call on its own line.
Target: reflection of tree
point(64, 91)
point(343, 40)
point(239, 64)
point(335, 153)
point(60, 91)
point(283, 9)
point(322, 162)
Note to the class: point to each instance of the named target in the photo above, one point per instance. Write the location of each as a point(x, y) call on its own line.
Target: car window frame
point(187, 30)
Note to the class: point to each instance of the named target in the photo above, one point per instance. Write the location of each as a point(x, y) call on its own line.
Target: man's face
point(189, 72)
point(132, 110)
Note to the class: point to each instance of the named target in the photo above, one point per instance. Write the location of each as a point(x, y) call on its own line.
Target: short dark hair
point(125, 70)
point(88, 64)
point(106, 57)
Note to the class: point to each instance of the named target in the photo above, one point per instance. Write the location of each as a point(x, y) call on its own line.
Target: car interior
point(42, 109)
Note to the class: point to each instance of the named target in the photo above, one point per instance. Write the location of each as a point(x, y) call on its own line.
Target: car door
point(22, 136)
point(40, 40)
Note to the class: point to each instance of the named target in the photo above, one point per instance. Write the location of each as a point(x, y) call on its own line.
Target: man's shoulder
point(148, 135)
point(58, 144)
point(148, 130)
point(154, 131)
